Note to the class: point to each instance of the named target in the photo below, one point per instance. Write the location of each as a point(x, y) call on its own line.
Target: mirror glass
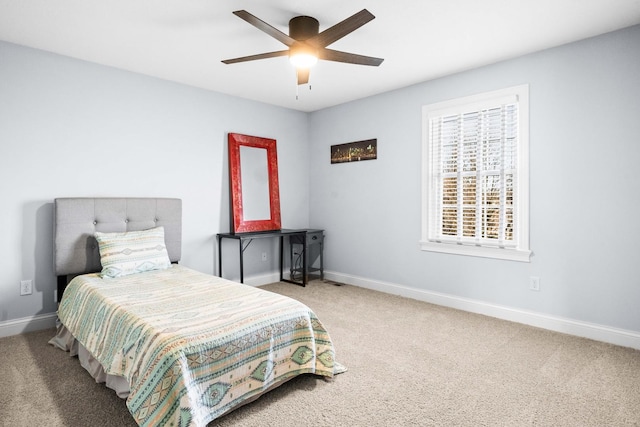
point(253, 182)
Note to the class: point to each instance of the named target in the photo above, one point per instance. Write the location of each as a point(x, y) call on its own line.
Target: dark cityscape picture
point(354, 151)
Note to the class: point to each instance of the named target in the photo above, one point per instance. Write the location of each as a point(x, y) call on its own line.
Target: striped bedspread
point(193, 346)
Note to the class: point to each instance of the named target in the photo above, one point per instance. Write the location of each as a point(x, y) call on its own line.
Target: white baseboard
point(621, 337)
point(260, 280)
point(27, 324)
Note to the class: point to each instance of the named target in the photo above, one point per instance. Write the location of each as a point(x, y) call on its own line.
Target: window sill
point(477, 251)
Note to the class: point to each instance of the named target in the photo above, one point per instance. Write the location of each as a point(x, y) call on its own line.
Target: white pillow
point(132, 252)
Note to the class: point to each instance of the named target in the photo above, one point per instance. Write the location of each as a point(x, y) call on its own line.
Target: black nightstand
point(313, 243)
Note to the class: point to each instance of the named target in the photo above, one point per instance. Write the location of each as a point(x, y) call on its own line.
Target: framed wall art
point(355, 151)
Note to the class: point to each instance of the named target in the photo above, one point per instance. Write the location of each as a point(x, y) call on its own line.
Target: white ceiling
point(185, 40)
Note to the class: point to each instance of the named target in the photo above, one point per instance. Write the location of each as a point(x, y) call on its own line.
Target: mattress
point(190, 346)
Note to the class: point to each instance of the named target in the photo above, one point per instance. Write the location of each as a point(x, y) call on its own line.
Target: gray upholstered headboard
point(76, 219)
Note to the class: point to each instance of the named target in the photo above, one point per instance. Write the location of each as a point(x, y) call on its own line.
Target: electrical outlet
point(26, 287)
point(534, 283)
point(264, 256)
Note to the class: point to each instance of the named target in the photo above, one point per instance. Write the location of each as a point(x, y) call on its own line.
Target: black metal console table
point(248, 238)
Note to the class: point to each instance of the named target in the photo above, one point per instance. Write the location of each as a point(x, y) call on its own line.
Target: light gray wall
point(70, 129)
point(584, 153)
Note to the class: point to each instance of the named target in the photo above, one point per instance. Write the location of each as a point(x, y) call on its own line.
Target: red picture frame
point(238, 223)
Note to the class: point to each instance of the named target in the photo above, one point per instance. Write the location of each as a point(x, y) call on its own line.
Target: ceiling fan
point(307, 45)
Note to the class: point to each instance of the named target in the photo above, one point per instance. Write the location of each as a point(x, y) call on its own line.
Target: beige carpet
point(410, 363)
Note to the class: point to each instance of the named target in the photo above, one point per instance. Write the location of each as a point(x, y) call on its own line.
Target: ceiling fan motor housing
point(303, 27)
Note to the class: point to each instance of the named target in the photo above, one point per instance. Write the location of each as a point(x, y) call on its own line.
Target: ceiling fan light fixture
point(303, 60)
point(303, 56)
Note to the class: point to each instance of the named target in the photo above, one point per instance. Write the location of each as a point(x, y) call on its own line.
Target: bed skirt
point(64, 340)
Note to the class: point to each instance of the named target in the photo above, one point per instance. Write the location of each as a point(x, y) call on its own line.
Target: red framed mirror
point(253, 182)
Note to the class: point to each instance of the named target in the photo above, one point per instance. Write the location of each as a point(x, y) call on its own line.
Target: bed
point(182, 347)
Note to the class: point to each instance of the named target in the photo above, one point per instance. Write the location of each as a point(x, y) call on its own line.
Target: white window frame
point(432, 240)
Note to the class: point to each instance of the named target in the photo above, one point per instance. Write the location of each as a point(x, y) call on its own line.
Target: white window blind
point(476, 155)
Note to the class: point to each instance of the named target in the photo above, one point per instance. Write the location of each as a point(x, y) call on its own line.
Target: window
point(475, 176)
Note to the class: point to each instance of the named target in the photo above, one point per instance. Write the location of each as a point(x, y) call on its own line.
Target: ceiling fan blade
point(350, 58)
point(258, 56)
point(341, 29)
point(261, 25)
point(303, 75)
